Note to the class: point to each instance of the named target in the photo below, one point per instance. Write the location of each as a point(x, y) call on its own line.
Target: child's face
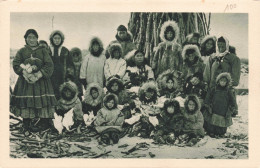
point(75, 57)
point(95, 47)
point(170, 109)
point(194, 81)
point(31, 40)
point(57, 39)
point(209, 44)
point(110, 104)
point(170, 84)
point(116, 54)
point(139, 58)
point(94, 94)
point(194, 40)
point(44, 45)
point(191, 56)
point(67, 93)
point(169, 35)
point(223, 82)
point(149, 95)
point(122, 34)
point(114, 87)
point(221, 47)
point(191, 105)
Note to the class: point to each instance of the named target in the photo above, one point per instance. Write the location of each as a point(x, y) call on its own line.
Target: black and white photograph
point(118, 85)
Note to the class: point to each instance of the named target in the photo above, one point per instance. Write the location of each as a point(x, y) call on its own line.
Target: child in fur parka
point(73, 71)
point(92, 68)
point(208, 47)
point(220, 103)
point(193, 121)
point(192, 61)
point(169, 84)
point(168, 53)
point(115, 64)
point(93, 99)
point(170, 122)
point(69, 100)
point(145, 120)
point(109, 120)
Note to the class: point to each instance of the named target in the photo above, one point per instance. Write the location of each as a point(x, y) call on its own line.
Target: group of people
point(121, 89)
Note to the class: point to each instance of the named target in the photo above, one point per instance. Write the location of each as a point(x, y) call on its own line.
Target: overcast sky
point(80, 27)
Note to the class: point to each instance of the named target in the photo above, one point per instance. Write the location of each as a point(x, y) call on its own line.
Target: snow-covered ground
point(233, 146)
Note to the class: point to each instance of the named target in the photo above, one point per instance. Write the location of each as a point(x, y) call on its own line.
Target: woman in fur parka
point(33, 95)
point(220, 103)
point(193, 118)
point(115, 64)
point(208, 47)
point(168, 53)
point(69, 100)
point(93, 99)
point(92, 67)
point(60, 57)
point(73, 71)
point(192, 61)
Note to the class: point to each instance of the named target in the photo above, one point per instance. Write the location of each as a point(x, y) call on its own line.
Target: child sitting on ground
point(193, 121)
point(170, 123)
point(109, 120)
point(219, 103)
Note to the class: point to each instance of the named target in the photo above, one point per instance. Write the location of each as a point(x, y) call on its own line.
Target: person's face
point(57, 39)
point(122, 34)
point(31, 40)
point(194, 81)
point(95, 47)
point(44, 45)
point(169, 35)
point(116, 54)
point(170, 109)
point(149, 95)
point(223, 82)
point(67, 93)
point(194, 40)
point(94, 94)
point(209, 44)
point(221, 47)
point(75, 57)
point(114, 87)
point(170, 84)
point(110, 104)
point(139, 58)
point(191, 105)
point(191, 56)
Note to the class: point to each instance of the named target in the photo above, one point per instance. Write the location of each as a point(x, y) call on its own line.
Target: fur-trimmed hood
point(203, 45)
point(72, 87)
point(54, 33)
point(88, 98)
point(227, 76)
point(162, 78)
point(114, 97)
point(174, 103)
point(128, 38)
point(145, 87)
point(115, 46)
point(191, 47)
point(98, 40)
point(195, 99)
point(175, 28)
point(206, 38)
point(78, 51)
point(113, 79)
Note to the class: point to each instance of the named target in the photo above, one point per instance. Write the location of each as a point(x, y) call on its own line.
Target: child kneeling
point(109, 120)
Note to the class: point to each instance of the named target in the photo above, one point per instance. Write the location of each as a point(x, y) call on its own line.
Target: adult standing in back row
point(125, 38)
point(60, 58)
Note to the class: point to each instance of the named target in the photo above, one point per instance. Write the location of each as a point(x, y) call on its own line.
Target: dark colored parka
point(168, 53)
point(222, 62)
point(220, 101)
point(27, 97)
point(89, 104)
point(60, 60)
